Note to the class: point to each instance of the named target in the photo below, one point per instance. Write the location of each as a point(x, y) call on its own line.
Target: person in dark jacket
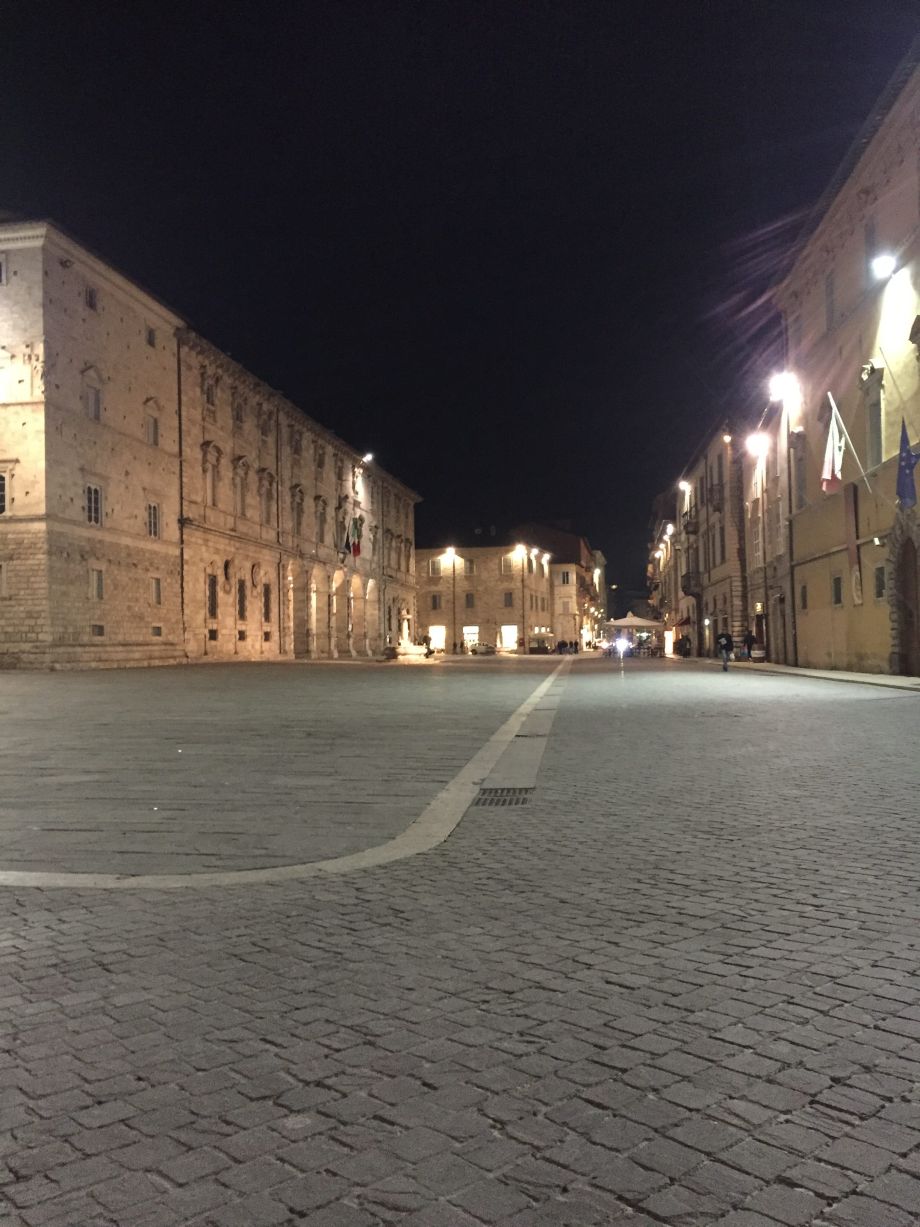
point(726, 646)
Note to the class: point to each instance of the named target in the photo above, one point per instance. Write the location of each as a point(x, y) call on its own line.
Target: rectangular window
point(210, 393)
point(241, 634)
point(803, 597)
point(266, 602)
point(212, 634)
point(509, 600)
point(435, 600)
point(530, 564)
point(156, 631)
point(566, 605)
point(212, 596)
point(469, 566)
point(837, 590)
point(97, 630)
point(434, 567)
point(2, 494)
point(156, 590)
point(756, 541)
point(153, 519)
point(881, 583)
point(721, 539)
point(239, 414)
point(153, 430)
point(542, 604)
point(92, 402)
point(91, 298)
point(873, 396)
point(469, 600)
point(507, 564)
point(266, 636)
point(3, 268)
point(241, 600)
point(94, 504)
point(830, 305)
point(566, 577)
point(97, 584)
point(152, 338)
point(799, 473)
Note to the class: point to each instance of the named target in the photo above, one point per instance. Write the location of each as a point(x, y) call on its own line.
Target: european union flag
point(907, 494)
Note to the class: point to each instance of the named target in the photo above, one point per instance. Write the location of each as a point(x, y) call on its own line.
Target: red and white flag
point(831, 474)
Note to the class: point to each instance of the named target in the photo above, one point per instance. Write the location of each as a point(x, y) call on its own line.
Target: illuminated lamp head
point(883, 266)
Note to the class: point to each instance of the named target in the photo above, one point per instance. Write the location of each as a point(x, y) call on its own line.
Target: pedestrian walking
point(749, 640)
point(726, 645)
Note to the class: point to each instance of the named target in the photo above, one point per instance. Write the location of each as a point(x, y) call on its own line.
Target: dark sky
point(512, 248)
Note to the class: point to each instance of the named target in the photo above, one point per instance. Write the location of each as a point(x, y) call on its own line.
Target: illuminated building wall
point(145, 519)
point(849, 333)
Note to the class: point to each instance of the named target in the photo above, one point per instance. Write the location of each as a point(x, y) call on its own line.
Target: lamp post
point(451, 553)
point(520, 551)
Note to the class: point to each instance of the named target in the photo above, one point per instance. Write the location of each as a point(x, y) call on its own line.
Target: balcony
point(716, 496)
point(691, 583)
point(691, 522)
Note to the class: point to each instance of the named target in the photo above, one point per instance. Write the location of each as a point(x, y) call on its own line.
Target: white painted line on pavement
point(432, 827)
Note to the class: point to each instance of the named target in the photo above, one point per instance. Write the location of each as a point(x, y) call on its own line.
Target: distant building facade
point(159, 503)
point(499, 595)
point(579, 579)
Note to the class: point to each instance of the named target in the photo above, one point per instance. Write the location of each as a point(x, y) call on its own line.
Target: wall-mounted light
point(758, 444)
point(726, 438)
point(450, 553)
point(669, 530)
point(367, 457)
point(883, 266)
point(684, 486)
point(520, 551)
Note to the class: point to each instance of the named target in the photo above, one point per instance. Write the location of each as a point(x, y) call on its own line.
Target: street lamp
point(520, 551)
point(451, 554)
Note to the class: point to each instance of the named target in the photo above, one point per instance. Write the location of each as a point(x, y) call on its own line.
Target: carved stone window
point(267, 496)
point(297, 500)
point(210, 467)
point(320, 507)
point(240, 485)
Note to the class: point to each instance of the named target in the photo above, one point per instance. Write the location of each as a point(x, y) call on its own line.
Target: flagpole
point(846, 436)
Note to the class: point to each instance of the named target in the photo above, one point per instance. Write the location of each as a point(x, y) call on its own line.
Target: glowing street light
point(669, 530)
point(758, 444)
point(684, 486)
point(883, 266)
point(726, 438)
point(367, 457)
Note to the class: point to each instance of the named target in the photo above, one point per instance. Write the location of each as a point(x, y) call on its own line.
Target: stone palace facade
point(158, 503)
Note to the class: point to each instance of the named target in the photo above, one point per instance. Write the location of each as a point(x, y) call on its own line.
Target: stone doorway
point(907, 586)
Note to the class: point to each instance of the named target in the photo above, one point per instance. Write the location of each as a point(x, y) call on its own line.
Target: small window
point(803, 597)
point(212, 634)
point(153, 519)
point(239, 411)
point(530, 564)
point(266, 602)
point(241, 600)
point(566, 605)
point(3, 273)
point(507, 564)
point(542, 604)
point(93, 504)
point(97, 584)
point(152, 337)
point(509, 600)
point(212, 597)
point(91, 298)
point(156, 590)
point(837, 590)
point(266, 636)
point(2, 494)
point(469, 566)
point(156, 631)
point(881, 583)
point(241, 635)
point(153, 430)
point(566, 577)
point(435, 600)
point(92, 402)
point(434, 568)
point(210, 393)
point(97, 630)
point(469, 600)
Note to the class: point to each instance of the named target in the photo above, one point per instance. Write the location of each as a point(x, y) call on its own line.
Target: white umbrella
point(631, 622)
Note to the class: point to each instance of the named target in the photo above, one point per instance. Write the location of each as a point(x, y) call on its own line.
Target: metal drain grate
point(503, 796)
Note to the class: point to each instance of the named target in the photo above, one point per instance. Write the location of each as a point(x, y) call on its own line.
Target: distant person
point(429, 650)
point(749, 640)
point(725, 645)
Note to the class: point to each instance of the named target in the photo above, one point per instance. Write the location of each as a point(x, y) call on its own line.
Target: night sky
point(517, 250)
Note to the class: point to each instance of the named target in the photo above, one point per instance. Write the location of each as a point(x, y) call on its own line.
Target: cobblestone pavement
point(680, 986)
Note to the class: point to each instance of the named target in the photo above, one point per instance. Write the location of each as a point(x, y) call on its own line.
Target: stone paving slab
point(679, 987)
point(230, 767)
